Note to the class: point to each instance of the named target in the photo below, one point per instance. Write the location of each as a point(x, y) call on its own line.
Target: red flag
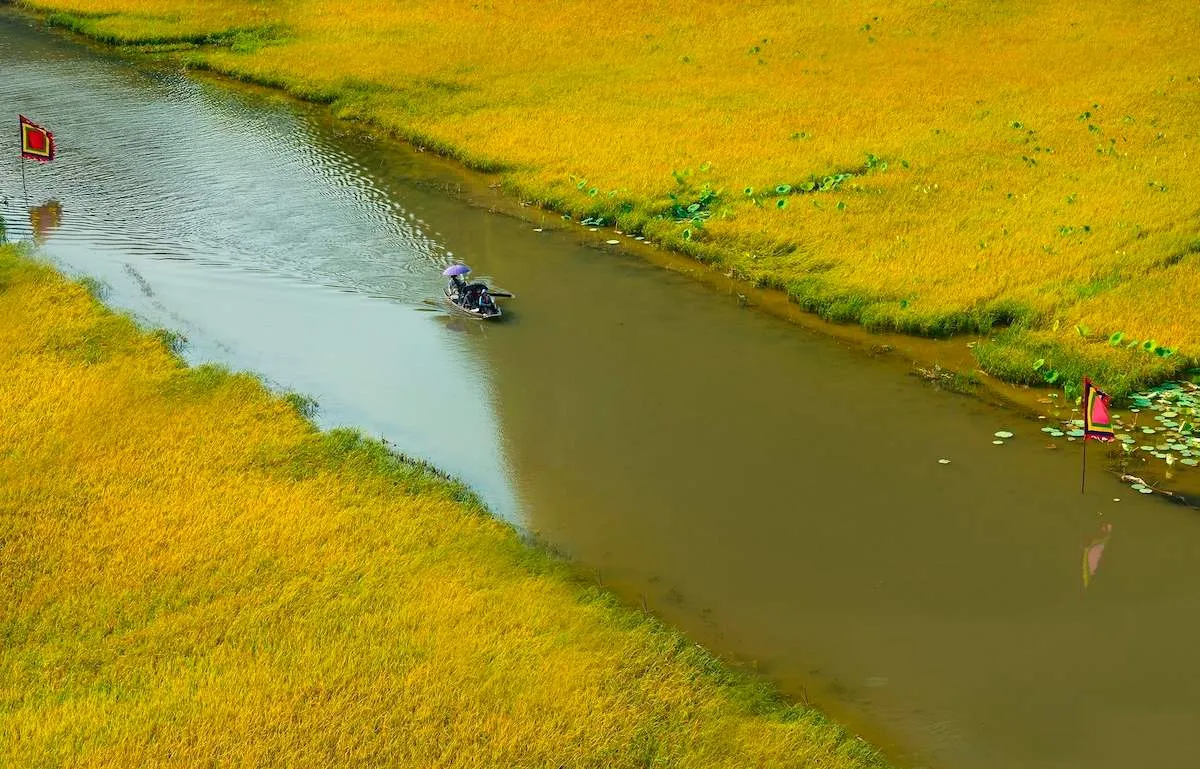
point(1097, 424)
point(36, 142)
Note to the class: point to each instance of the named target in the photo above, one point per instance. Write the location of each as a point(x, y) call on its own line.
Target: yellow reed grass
point(190, 575)
point(1035, 151)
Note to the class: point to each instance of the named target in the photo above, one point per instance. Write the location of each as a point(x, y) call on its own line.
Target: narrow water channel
point(776, 495)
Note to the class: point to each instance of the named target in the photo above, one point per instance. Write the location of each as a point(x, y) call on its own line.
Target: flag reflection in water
point(1093, 552)
point(44, 219)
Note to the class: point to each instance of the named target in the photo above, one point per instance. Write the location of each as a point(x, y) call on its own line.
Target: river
point(772, 492)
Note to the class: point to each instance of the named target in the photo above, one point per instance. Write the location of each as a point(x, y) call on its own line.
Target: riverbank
point(193, 571)
point(792, 152)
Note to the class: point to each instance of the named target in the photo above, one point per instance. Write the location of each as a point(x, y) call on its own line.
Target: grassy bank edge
point(1014, 335)
point(346, 450)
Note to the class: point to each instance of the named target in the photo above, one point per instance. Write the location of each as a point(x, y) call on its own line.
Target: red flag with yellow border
point(36, 142)
point(1097, 424)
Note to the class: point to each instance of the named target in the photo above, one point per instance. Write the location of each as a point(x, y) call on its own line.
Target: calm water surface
point(774, 494)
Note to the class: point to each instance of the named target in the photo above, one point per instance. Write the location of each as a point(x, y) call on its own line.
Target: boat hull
point(450, 300)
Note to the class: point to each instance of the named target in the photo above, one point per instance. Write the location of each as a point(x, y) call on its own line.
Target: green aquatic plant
point(875, 163)
point(834, 181)
point(691, 205)
point(1175, 406)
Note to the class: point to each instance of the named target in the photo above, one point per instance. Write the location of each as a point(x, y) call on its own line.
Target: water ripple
point(167, 168)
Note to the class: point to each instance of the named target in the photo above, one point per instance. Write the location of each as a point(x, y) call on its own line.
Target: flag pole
point(1087, 386)
point(1083, 475)
point(23, 184)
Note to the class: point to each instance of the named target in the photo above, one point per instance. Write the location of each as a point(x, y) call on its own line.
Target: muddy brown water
point(773, 493)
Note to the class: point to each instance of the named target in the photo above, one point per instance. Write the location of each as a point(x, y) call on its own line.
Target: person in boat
point(472, 296)
point(484, 302)
point(477, 299)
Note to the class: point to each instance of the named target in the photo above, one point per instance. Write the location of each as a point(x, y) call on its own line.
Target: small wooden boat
point(484, 310)
point(474, 299)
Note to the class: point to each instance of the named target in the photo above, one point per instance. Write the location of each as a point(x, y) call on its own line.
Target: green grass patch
point(173, 341)
point(1015, 354)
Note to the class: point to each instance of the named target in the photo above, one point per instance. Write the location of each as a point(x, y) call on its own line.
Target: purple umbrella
point(456, 269)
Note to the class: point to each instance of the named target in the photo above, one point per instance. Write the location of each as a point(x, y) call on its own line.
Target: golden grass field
point(1034, 162)
point(191, 575)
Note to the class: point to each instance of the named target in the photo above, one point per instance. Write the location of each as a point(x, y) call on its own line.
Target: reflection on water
point(44, 219)
point(1093, 552)
point(198, 189)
